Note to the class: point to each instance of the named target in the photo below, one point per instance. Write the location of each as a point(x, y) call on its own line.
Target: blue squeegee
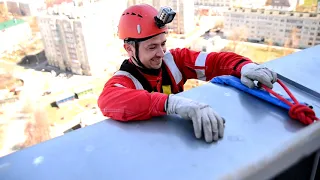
point(260, 93)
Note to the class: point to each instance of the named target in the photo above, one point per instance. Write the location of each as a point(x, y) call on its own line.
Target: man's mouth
point(156, 61)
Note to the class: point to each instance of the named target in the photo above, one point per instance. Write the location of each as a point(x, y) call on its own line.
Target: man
point(145, 85)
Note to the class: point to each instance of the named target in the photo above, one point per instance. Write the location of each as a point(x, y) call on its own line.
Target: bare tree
point(238, 35)
point(38, 129)
point(295, 38)
point(268, 3)
point(268, 49)
point(292, 41)
point(219, 24)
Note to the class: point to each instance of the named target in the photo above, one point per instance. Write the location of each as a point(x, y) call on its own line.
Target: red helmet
point(138, 22)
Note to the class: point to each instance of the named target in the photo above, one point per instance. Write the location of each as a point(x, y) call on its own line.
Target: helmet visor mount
point(164, 16)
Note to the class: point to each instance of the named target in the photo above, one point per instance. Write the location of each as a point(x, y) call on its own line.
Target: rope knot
point(297, 111)
point(303, 113)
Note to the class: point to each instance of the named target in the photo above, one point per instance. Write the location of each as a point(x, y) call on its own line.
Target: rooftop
point(10, 23)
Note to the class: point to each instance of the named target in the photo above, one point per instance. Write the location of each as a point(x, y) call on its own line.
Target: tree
point(238, 35)
point(268, 3)
point(4, 15)
point(37, 129)
point(295, 38)
point(292, 41)
point(269, 43)
point(219, 24)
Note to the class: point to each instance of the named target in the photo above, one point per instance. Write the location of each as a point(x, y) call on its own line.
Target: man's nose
point(161, 52)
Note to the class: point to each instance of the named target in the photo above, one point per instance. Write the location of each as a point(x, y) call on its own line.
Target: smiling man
point(145, 85)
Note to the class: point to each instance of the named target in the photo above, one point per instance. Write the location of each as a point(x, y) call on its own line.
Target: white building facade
point(183, 22)
point(282, 28)
point(81, 44)
point(26, 7)
point(216, 3)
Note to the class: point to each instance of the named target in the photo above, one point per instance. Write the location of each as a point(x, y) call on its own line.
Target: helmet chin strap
point(136, 46)
point(142, 67)
point(137, 59)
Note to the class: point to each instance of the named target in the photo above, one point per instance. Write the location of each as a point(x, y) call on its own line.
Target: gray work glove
point(202, 115)
point(252, 72)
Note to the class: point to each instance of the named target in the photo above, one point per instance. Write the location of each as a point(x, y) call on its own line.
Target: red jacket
point(124, 97)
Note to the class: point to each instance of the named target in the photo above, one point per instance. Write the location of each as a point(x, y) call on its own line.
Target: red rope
point(297, 111)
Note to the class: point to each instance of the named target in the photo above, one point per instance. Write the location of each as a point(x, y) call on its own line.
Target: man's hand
point(203, 117)
point(252, 72)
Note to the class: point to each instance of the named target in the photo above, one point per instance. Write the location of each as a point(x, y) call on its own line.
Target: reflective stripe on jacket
point(124, 97)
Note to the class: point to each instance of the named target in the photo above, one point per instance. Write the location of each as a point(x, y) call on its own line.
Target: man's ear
point(129, 48)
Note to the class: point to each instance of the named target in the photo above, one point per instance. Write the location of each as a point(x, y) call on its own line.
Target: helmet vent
point(133, 14)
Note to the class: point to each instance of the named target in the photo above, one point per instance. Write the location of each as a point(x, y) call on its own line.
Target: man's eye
point(152, 47)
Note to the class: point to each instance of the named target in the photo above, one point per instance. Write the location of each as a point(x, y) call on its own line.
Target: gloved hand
point(203, 117)
point(252, 72)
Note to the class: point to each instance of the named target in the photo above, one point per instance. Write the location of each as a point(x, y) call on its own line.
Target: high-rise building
point(287, 5)
point(81, 42)
point(51, 40)
point(133, 2)
point(183, 22)
point(215, 3)
point(158, 3)
point(25, 8)
point(280, 27)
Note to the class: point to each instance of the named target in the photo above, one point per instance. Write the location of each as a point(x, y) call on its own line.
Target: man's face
point(151, 51)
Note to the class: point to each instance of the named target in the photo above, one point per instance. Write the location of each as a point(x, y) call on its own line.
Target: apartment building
point(25, 7)
point(68, 45)
point(280, 27)
point(215, 3)
point(133, 2)
point(287, 5)
point(183, 22)
point(81, 44)
point(283, 5)
point(51, 40)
